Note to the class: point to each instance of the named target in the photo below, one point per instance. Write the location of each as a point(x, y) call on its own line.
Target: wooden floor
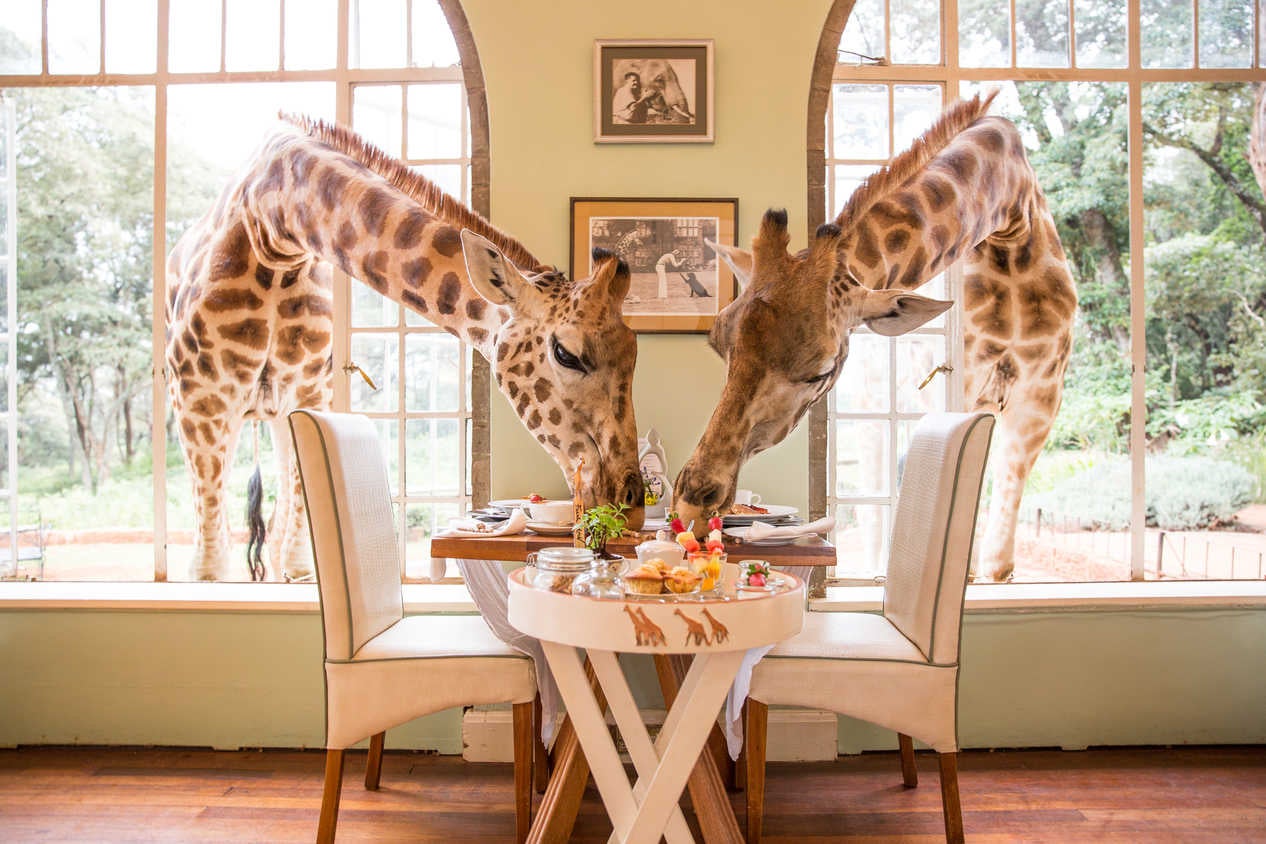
point(1136, 795)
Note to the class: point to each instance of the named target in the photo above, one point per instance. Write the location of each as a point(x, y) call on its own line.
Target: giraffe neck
point(980, 186)
point(305, 200)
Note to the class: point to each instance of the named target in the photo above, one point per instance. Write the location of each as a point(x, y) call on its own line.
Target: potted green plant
point(602, 524)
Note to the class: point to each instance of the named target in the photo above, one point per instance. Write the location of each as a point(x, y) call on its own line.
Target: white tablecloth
point(486, 581)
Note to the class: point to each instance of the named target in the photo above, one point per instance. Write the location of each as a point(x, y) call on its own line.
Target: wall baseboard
point(795, 735)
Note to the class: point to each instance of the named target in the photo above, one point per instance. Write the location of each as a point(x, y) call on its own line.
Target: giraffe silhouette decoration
point(250, 307)
point(695, 631)
point(719, 631)
point(646, 632)
point(964, 191)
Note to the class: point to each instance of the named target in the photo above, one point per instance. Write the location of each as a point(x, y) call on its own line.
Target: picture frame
point(679, 284)
point(656, 91)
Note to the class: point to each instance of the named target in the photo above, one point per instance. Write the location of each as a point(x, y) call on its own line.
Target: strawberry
point(715, 545)
point(687, 540)
point(756, 579)
point(535, 498)
point(677, 524)
point(715, 522)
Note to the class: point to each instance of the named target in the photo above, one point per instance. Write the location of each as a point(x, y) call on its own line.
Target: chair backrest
point(933, 528)
point(352, 526)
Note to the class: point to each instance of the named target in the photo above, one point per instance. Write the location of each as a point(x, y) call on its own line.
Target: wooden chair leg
point(540, 757)
point(949, 798)
point(754, 733)
point(523, 752)
point(373, 765)
point(909, 772)
point(330, 795)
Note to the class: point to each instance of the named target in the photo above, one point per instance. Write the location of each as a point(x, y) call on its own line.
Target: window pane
point(918, 356)
point(861, 121)
point(864, 32)
point(378, 33)
point(194, 36)
point(1167, 28)
point(131, 45)
point(85, 291)
point(848, 177)
point(433, 452)
point(431, 373)
point(371, 309)
point(311, 34)
point(376, 114)
point(1041, 33)
point(74, 36)
point(377, 355)
point(1101, 33)
point(1226, 33)
point(447, 176)
point(863, 383)
point(861, 458)
point(984, 33)
point(915, 27)
point(433, 44)
point(389, 442)
point(861, 539)
point(914, 109)
point(20, 51)
point(422, 521)
point(253, 33)
point(435, 121)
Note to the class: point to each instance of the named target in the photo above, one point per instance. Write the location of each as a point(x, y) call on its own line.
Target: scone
point(644, 580)
point(681, 580)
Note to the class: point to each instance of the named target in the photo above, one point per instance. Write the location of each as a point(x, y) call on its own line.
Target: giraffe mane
point(415, 185)
point(954, 119)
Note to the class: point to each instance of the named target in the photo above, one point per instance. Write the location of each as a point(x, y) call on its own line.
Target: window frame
point(344, 78)
point(831, 67)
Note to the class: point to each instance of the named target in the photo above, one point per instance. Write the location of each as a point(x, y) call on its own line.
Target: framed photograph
point(652, 91)
point(679, 282)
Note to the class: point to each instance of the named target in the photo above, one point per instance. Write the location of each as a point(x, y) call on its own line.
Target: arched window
point(1136, 117)
point(123, 121)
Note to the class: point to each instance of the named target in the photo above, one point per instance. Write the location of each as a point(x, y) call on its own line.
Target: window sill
point(453, 598)
point(1071, 597)
point(217, 597)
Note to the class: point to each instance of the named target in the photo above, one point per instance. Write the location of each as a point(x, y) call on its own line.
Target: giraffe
point(646, 631)
point(964, 191)
point(250, 307)
point(694, 629)
point(719, 631)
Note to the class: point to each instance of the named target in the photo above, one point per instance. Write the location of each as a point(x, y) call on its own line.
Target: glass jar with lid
point(602, 580)
point(556, 569)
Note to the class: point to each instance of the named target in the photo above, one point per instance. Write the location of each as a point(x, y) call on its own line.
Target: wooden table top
point(807, 551)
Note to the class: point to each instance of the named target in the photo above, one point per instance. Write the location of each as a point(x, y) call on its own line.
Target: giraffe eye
point(564, 357)
point(818, 379)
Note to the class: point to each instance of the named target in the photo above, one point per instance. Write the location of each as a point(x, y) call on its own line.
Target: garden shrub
point(1182, 493)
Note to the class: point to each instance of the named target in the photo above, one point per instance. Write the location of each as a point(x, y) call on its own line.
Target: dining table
point(481, 560)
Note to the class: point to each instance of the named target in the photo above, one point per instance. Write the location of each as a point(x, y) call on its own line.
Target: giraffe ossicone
point(250, 322)
point(963, 193)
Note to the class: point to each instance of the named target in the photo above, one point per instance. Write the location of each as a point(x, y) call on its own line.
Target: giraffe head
point(564, 358)
point(784, 339)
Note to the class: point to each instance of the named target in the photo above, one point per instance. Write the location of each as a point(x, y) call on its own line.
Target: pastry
point(681, 580)
point(646, 579)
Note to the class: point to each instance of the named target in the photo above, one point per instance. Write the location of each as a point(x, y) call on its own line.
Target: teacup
point(746, 497)
point(556, 512)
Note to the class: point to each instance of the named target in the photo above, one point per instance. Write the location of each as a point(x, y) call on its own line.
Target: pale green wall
point(537, 61)
point(253, 679)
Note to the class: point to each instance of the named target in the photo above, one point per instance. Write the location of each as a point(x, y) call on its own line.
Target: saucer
point(550, 528)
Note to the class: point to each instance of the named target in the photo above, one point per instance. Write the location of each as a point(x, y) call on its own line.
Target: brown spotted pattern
point(250, 324)
point(964, 193)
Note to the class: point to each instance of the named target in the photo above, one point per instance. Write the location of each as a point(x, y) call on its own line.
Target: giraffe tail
point(255, 519)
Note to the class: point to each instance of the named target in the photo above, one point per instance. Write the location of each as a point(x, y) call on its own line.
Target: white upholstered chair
point(899, 669)
point(382, 668)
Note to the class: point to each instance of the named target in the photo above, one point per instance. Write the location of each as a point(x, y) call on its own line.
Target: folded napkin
point(516, 523)
point(761, 531)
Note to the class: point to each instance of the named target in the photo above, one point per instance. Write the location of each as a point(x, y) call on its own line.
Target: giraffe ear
point(611, 275)
point(740, 261)
point(493, 277)
point(896, 312)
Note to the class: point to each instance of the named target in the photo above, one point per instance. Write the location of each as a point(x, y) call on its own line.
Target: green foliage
point(602, 524)
point(1182, 493)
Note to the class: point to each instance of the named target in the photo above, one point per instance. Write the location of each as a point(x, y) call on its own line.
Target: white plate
point(548, 529)
point(512, 503)
point(776, 512)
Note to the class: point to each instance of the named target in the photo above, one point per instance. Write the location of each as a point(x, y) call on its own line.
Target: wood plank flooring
point(1185, 795)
